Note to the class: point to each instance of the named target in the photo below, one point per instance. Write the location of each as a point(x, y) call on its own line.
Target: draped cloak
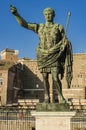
point(47, 58)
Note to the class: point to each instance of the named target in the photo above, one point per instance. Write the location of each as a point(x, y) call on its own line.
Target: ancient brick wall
point(9, 55)
point(3, 86)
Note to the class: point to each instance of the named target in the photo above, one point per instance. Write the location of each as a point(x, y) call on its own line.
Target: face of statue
point(48, 14)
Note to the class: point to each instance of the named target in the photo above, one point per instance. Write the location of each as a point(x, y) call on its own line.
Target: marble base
point(53, 120)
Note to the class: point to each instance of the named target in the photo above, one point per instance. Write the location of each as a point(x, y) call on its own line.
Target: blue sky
point(13, 36)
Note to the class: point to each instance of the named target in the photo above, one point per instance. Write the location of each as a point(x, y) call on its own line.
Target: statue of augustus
point(53, 50)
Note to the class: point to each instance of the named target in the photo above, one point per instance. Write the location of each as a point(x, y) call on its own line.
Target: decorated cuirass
point(48, 35)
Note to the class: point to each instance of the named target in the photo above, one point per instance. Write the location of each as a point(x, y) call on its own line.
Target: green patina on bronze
point(53, 51)
point(53, 107)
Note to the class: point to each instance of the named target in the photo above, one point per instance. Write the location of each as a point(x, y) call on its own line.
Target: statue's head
point(49, 13)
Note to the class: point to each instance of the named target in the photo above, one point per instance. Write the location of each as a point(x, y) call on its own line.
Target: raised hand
point(13, 10)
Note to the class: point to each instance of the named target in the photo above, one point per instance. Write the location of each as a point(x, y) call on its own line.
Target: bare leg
point(46, 87)
point(57, 84)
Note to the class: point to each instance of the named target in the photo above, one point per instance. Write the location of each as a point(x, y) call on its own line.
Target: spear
point(67, 23)
point(69, 76)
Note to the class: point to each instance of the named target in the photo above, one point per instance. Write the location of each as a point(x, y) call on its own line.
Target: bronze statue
point(53, 50)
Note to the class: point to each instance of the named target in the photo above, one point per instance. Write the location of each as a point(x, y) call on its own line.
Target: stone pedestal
point(53, 120)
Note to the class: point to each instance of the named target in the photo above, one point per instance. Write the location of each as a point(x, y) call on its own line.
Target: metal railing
point(16, 119)
point(78, 122)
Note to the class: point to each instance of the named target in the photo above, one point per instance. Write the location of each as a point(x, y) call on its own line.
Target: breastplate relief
point(48, 36)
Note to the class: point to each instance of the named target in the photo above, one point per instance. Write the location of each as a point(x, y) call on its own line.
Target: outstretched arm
point(21, 21)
